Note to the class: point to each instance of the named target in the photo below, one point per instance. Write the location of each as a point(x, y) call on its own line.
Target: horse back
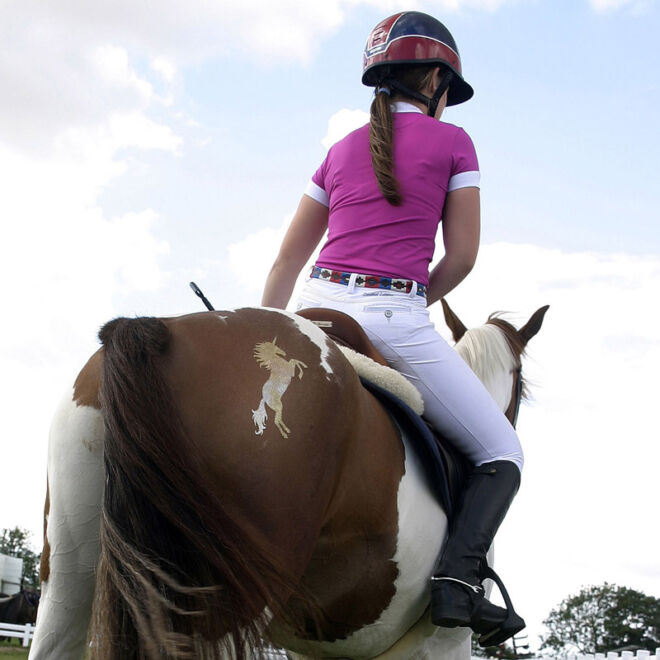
point(217, 369)
point(288, 488)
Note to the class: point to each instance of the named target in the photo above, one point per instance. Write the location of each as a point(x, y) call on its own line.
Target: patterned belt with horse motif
point(367, 281)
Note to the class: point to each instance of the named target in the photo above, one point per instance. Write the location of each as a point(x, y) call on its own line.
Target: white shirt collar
point(404, 106)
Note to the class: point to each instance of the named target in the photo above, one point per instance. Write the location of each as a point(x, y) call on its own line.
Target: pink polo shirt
point(368, 235)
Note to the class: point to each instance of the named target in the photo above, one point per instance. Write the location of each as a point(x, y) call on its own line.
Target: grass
point(13, 649)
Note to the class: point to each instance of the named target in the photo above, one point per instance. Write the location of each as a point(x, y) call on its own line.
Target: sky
point(145, 145)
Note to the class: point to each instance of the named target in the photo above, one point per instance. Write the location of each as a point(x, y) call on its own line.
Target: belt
point(367, 281)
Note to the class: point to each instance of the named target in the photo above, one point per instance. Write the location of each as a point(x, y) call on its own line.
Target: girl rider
point(381, 193)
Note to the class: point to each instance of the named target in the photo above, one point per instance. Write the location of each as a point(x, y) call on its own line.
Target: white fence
point(25, 632)
point(624, 655)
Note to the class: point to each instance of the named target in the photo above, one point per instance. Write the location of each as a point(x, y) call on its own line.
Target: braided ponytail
point(416, 77)
point(381, 147)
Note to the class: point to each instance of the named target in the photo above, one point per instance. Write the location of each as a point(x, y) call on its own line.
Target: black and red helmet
point(412, 37)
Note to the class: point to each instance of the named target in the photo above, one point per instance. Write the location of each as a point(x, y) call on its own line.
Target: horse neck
point(487, 352)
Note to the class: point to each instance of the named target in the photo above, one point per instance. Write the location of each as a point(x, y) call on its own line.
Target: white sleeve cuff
point(317, 193)
point(464, 180)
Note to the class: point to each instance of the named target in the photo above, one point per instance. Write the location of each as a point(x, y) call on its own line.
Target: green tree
point(603, 618)
point(16, 543)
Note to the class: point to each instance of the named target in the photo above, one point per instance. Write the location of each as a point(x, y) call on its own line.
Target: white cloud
point(137, 130)
point(112, 65)
point(63, 246)
point(251, 258)
point(342, 123)
point(165, 67)
point(72, 64)
point(602, 6)
point(434, 8)
point(63, 263)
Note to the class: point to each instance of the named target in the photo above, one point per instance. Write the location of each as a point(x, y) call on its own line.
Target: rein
point(517, 396)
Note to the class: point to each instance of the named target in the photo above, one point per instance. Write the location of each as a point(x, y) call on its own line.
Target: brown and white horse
point(202, 525)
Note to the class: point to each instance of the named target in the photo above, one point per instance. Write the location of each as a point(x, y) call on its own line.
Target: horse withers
point(253, 488)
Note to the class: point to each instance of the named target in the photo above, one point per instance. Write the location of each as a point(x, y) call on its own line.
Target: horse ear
point(453, 322)
point(533, 325)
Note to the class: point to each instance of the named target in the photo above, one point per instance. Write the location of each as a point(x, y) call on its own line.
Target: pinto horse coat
point(210, 534)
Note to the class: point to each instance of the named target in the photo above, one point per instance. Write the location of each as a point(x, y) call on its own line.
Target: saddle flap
point(446, 468)
point(344, 330)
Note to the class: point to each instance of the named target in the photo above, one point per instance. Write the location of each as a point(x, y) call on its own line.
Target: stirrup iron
point(513, 623)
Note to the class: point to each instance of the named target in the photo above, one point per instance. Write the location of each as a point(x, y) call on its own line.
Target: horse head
point(531, 328)
point(494, 352)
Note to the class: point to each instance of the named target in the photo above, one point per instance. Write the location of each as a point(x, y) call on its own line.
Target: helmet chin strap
point(432, 102)
point(442, 88)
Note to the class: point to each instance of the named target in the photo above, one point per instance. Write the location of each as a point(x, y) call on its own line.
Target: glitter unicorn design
point(269, 355)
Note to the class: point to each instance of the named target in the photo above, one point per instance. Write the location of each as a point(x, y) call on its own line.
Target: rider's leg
point(457, 597)
point(460, 407)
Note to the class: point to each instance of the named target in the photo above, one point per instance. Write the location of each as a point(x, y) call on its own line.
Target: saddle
point(447, 469)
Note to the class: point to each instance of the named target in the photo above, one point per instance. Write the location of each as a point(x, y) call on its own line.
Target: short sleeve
point(316, 187)
point(465, 166)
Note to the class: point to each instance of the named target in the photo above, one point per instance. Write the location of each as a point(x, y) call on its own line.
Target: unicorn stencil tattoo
point(269, 355)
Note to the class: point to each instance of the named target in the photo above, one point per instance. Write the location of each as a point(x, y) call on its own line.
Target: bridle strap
point(517, 396)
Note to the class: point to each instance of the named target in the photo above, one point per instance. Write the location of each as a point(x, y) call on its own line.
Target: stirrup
point(513, 623)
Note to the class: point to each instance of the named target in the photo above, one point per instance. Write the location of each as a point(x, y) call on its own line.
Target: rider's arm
point(461, 223)
point(306, 230)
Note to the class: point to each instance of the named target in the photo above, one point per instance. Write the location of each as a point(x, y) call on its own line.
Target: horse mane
point(492, 348)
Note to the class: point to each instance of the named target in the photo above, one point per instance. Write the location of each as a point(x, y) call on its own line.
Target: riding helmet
point(412, 37)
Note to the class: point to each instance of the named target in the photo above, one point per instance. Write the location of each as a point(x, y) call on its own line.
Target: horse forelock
point(491, 350)
point(516, 344)
point(486, 350)
point(512, 336)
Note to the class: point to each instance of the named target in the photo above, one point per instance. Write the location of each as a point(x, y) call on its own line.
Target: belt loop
point(351, 282)
point(413, 290)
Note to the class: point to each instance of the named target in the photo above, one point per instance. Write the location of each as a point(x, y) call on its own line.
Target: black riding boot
point(457, 595)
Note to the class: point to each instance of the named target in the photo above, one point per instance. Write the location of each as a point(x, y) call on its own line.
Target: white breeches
point(455, 401)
